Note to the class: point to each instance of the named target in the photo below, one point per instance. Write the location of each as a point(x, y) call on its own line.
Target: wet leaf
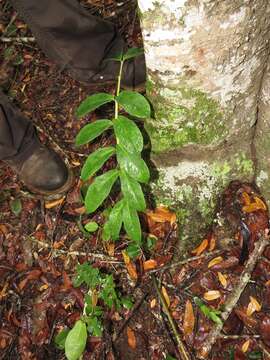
point(212, 295)
point(115, 220)
point(189, 319)
point(128, 134)
point(134, 104)
point(166, 296)
point(91, 131)
point(222, 279)
point(215, 261)
point(93, 102)
point(131, 338)
point(95, 161)
point(132, 191)
point(149, 264)
point(201, 248)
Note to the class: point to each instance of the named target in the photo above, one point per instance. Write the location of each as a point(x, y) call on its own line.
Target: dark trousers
point(72, 38)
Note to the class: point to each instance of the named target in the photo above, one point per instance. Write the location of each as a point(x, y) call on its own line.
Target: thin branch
point(181, 347)
point(19, 39)
point(233, 298)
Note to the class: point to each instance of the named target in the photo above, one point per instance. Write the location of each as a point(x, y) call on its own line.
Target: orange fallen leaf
point(250, 208)
point(166, 296)
point(3, 229)
point(161, 214)
point(253, 306)
point(212, 244)
point(131, 268)
point(189, 319)
point(212, 295)
point(260, 203)
point(149, 264)
point(43, 287)
point(215, 261)
point(246, 198)
point(245, 346)
point(200, 249)
point(54, 203)
point(222, 279)
point(131, 338)
point(81, 210)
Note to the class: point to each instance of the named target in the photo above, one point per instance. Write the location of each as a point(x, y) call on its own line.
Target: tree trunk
point(206, 62)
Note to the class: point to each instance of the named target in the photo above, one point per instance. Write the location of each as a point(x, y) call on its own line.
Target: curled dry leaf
point(131, 338)
point(149, 264)
point(222, 279)
point(189, 319)
point(166, 296)
point(260, 203)
point(212, 295)
point(245, 346)
point(131, 268)
point(161, 214)
point(215, 261)
point(212, 244)
point(201, 248)
point(54, 203)
point(246, 198)
point(253, 306)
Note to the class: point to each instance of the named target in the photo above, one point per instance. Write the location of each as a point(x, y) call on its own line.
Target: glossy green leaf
point(93, 102)
point(132, 223)
point(128, 134)
point(132, 53)
point(95, 161)
point(134, 104)
point(106, 232)
point(90, 131)
point(115, 220)
point(99, 190)
point(133, 164)
point(133, 250)
point(76, 341)
point(132, 192)
point(92, 226)
point(60, 338)
point(16, 206)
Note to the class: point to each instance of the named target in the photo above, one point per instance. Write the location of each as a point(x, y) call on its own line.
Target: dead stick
point(17, 39)
point(181, 347)
point(233, 298)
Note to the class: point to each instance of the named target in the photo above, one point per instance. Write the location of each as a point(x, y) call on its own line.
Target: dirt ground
point(41, 242)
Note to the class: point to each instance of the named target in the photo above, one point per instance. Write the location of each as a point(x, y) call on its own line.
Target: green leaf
point(255, 355)
point(127, 302)
point(85, 273)
point(210, 313)
point(133, 164)
point(117, 57)
point(133, 52)
point(134, 104)
point(60, 339)
point(90, 131)
point(106, 232)
point(132, 192)
point(99, 190)
point(76, 341)
point(94, 326)
point(151, 241)
point(128, 134)
point(115, 220)
point(92, 226)
point(93, 102)
point(16, 206)
point(133, 250)
point(169, 357)
point(132, 223)
point(95, 161)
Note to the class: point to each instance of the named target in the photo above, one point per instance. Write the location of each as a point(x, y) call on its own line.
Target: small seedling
point(210, 313)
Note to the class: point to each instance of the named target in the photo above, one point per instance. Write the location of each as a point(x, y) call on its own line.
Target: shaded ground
point(41, 243)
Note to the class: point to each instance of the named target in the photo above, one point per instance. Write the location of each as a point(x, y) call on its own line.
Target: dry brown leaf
point(76, 163)
point(110, 247)
point(200, 249)
point(212, 295)
point(81, 210)
point(149, 264)
point(212, 244)
point(131, 268)
point(3, 229)
point(43, 287)
point(245, 346)
point(54, 203)
point(215, 261)
point(153, 303)
point(161, 214)
point(166, 296)
point(267, 283)
point(253, 306)
point(222, 279)
point(131, 338)
point(189, 319)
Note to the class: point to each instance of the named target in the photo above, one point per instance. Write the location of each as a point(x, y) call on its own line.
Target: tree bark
point(206, 61)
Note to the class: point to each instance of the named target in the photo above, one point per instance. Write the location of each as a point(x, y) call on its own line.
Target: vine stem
point(118, 88)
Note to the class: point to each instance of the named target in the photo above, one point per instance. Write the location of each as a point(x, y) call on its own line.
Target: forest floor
point(213, 304)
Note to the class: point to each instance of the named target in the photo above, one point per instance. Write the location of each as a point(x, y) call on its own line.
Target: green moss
point(184, 116)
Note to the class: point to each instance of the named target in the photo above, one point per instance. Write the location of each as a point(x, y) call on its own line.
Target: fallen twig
point(233, 298)
point(22, 39)
point(181, 347)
